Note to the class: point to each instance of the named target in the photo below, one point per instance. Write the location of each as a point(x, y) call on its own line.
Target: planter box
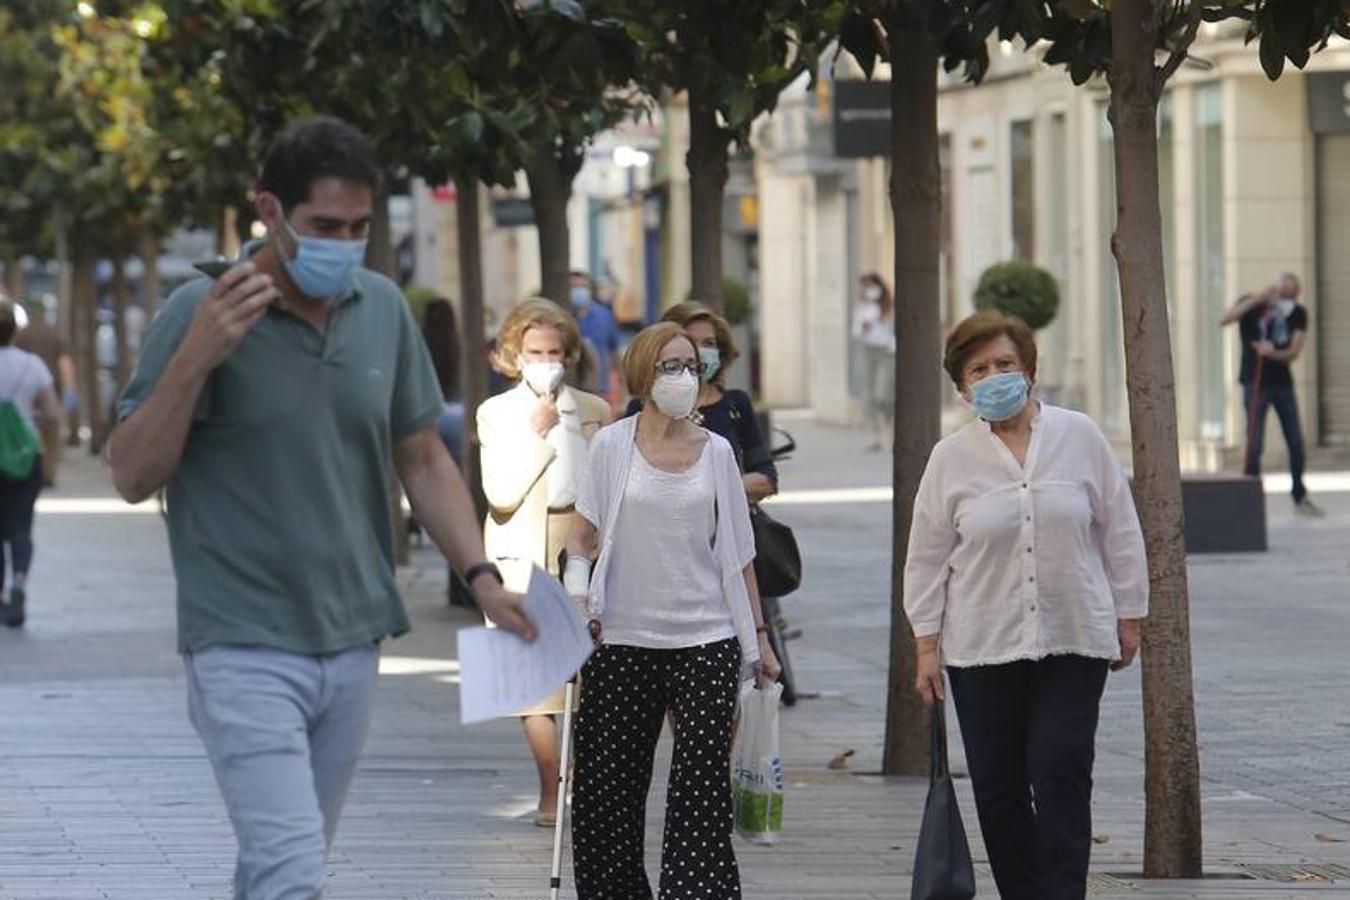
point(1225, 513)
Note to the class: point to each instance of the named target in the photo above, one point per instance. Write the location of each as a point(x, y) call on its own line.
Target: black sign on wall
point(512, 212)
point(862, 118)
point(1329, 102)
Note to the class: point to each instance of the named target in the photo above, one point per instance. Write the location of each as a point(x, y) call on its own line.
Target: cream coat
point(517, 466)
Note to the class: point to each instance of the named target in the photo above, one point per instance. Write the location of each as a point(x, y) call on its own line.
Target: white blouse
point(601, 492)
point(1009, 562)
point(668, 595)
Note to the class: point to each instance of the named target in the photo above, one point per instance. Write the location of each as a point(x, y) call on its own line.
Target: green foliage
point(1079, 31)
point(736, 305)
point(418, 296)
point(1019, 289)
point(441, 88)
point(74, 130)
point(960, 27)
point(740, 56)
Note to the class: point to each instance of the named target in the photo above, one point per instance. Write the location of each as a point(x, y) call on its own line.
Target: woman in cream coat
point(534, 441)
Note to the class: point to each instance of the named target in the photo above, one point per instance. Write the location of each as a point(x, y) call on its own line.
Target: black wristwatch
point(487, 567)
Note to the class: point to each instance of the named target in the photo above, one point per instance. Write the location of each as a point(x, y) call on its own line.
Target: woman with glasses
point(722, 410)
point(673, 604)
point(534, 439)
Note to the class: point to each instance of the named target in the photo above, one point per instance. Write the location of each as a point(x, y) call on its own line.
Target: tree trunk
point(121, 293)
point(1172, 828)
point(380, 246)
point(84, 322)
point(65, 314)
point(13, 275)
point(473, 366)
point(550, 190)
point(707, 164)
point(380, 257)
point(916, 201)
point(147, 248)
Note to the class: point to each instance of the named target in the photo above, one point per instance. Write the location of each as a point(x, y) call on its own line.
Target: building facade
point(1254, 181)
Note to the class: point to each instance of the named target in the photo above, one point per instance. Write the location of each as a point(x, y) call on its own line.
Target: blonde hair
point(691, 311)
point(535, 312)
point(639, 363)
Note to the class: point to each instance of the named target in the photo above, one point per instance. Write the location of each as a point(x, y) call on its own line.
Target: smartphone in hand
point(213, 268)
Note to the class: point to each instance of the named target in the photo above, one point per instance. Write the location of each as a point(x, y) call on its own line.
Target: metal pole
point(564, 764)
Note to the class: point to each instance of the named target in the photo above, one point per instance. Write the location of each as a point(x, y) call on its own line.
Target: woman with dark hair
point(874, 330)
point(441, 333)
point(26, 389)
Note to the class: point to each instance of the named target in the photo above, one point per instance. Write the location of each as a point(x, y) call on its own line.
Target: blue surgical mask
point(999, 397)
point(711, 358)
point(580, 296)
point(324, 267)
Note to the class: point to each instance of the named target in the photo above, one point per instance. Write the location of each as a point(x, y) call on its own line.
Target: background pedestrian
point(874, 332)
point(534, 439)
point(26, 389)
point(1273, 329)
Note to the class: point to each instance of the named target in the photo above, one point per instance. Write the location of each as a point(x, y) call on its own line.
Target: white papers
point(500, 674)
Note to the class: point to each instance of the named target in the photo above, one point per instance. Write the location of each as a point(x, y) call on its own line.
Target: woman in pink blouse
point(1026, 578)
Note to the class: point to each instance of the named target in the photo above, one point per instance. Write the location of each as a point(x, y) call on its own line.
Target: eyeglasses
point(676, 366)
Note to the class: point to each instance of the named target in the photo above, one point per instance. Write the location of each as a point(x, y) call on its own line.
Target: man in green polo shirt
point(272, 403)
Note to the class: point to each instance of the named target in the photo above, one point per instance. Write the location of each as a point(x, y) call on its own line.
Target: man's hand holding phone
point(236, 301)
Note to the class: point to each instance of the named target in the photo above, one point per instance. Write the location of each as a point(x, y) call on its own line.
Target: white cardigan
point(601, 493)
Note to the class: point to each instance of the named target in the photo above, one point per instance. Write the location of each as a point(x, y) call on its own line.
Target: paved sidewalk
point(106, 793)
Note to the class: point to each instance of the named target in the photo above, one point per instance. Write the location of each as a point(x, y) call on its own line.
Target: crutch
point(564, 765)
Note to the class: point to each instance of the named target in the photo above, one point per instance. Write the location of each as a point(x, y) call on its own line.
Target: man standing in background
point(1273, 328)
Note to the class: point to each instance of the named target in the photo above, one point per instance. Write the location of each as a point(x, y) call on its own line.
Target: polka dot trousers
point(628, 691)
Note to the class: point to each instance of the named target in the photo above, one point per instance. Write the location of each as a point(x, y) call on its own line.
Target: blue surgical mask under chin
point(324, 268)
point(1000, 397)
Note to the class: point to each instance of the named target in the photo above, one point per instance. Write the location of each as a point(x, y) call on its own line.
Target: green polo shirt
point(279, 512)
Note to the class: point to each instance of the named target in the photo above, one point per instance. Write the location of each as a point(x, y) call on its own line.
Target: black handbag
point(778, 562)
point(942, 866)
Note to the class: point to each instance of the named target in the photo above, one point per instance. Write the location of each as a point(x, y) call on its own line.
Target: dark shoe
point(13, 611)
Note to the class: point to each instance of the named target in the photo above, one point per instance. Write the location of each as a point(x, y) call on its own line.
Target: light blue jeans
point(284, 732)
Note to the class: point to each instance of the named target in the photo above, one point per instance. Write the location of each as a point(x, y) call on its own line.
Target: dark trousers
point(17, 500)
point(1029, 730)
point(625, 696)
point(1286, 409)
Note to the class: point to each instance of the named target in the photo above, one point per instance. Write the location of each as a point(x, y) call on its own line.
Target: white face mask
point(542, 377)
point(872, 294)
point(675, 395)
point(1284, 307)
